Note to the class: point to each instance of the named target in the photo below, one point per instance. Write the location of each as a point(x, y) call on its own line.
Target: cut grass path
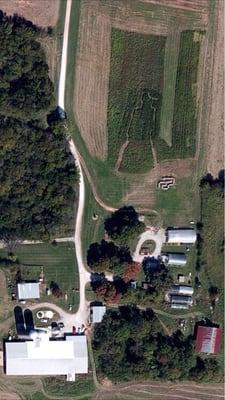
point(170, 74)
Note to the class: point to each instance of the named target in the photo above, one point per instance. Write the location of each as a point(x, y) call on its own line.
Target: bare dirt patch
point(43, 13)
point(93, 56)
point(4, 297)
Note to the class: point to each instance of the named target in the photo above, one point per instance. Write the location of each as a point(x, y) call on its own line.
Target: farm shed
point(28, 290)
point(181, 299)
point(42, 356)
point(97, 313)
point(208, 340)
point(186, 236)
point(182, 289)
point(175, 259)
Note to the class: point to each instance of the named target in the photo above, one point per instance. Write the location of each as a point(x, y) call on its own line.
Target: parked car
point(60, 324)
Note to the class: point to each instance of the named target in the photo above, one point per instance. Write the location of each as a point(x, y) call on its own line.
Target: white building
point(182, 289)
point(28, 290)
point(177, 236)
point(42, 356)
point(97, 313)
point(175, 259)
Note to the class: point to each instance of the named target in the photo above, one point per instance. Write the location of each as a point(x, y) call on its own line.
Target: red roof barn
point(208, 339)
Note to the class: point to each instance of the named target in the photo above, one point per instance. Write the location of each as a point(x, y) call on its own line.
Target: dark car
point(61, 325)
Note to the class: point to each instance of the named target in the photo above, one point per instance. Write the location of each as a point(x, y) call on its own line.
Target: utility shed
point(42, 356)
point(28, 290)
point(176, 259)
point(182, 289)
point(181, 299)
point(97, 313)
point(186, 236)
point(208, 340)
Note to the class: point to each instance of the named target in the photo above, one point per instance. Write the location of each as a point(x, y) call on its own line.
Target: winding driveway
point(84, 276)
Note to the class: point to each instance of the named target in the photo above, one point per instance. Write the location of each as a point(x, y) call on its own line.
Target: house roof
point(208, 339)
point(47, 357)
point(181, 236)
point(97, 313)
point(28, 290)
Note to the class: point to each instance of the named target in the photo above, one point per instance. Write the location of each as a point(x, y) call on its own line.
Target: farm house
point(175, 259)
point(186, 236)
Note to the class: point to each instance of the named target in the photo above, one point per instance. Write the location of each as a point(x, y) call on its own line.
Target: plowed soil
point(41, 12)
point(93, 58)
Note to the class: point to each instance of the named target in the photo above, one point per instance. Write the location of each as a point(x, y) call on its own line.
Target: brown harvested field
point(214, 111)
point(41, 12)
point(162, 391)
point(93, 56)
point(189, 5)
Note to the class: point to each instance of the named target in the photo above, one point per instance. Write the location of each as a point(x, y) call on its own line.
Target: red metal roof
point(208, 339)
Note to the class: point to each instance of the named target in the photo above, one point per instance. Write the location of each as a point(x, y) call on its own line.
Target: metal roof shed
point(186, 236)
point(28, 290)
point(97, 313)
point(181, 299)
point(208, 340)
point(176, 259)
point(182, 289)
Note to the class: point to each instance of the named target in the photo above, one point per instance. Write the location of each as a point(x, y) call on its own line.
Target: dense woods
point(25, 87)
point(129, 345)
point(38, 174)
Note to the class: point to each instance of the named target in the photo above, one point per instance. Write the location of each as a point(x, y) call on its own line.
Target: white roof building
point(187, 236)
point(97, 313)
point(42, 356)
point(182, 289)
point(28, 290)
point(175, 259)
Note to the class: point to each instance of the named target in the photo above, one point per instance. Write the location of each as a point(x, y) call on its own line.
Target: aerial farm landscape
point(111, 199)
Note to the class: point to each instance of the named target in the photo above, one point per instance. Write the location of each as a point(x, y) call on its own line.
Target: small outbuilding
point(181, 236)
point(28, 290)
point(181, 299)
point(208, 339)
point(97, 313)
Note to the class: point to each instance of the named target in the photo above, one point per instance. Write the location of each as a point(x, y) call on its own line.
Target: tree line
point(38, 177)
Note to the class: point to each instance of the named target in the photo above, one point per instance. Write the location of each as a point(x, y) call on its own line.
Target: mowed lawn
point(178, 205)
point(59, 266)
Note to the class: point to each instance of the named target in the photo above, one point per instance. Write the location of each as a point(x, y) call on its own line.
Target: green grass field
point(93, 229)
point(59, 265)
point(178, 205)
point(135, 86)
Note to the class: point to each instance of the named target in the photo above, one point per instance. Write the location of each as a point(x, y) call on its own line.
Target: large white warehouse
point(42, 356)
point(186, 236)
